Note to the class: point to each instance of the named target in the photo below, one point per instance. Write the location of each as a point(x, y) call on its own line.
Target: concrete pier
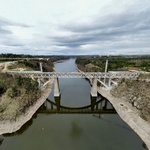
point(39, 81)
point(56, 88)
point(94, 88)
point(93, 101)
point(57, 101)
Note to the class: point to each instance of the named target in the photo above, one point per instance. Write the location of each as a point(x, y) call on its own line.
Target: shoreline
point(130, 115)
point(12, 126)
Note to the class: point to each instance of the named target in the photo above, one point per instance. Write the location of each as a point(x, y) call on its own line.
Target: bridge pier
point(39, 81)
point(94, 88)
point(105, 105)
point(57, 101)
point(93, 101)
point(56, 88)
point(109, 82)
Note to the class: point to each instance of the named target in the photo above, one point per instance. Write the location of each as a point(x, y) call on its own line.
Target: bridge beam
point(39, 81)
point(56, 88)
point(94, 88)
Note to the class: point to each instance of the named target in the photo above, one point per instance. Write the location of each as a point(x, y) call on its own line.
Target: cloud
point(123, 30)
point(110, 27)
point(4, 31)
point(7, 22)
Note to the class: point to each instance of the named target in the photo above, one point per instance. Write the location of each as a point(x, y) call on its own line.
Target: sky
point(75, 27)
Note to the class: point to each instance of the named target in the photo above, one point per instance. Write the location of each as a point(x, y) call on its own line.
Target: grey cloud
point(6, 36)
point(14, 44)
point(4, 31)
point(6, 22)
point(111, 28)
point(114, 33)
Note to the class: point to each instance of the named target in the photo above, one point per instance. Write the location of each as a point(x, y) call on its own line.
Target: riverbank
point(12, 126)
point(130, 115)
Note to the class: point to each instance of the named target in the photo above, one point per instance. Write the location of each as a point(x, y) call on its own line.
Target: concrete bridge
point(104, 79)
point(97, 79)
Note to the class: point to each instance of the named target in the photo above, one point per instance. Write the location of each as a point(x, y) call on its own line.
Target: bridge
point(104, 79)
point(97, 79)
point(50, 75)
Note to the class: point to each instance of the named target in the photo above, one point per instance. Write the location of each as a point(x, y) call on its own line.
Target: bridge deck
point(38, 74)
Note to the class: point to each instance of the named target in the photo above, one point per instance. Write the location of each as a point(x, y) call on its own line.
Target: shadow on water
point(1, 140)
point(98, 105)
point(144, 146)
point(100, 116)
point(76, 130)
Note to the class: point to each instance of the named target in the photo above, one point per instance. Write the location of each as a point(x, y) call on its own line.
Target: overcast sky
point(75, 27)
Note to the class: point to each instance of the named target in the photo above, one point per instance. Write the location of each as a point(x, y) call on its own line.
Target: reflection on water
point(98, 105)
point(1, 140)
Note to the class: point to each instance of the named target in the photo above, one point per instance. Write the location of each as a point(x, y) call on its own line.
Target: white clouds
point(74, 27)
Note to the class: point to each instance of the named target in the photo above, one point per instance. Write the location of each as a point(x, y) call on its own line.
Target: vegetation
point(29, 64)
point(144, 76)
point(16, 95)
point(97, 64)
point(32, 65)
point(135, 92)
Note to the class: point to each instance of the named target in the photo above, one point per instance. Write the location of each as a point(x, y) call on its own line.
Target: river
point(73, 131)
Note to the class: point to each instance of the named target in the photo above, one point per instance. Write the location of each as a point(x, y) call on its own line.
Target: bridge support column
point(57, 101)
point(41, 68)
point(56, 88)
point(105, 105)
point(39, 81)
point(93, 101)
point(94, 88)
point(109, 82)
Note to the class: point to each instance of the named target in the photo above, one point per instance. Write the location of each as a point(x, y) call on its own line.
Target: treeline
point(35, 65)
point(16, 95)
point(10, 55)
point(97, 64)
point(53, 57)
point(32, 64)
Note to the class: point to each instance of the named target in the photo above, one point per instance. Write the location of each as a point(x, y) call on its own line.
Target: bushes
point(116, 63)
point(20, 94)
point(135, 92)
